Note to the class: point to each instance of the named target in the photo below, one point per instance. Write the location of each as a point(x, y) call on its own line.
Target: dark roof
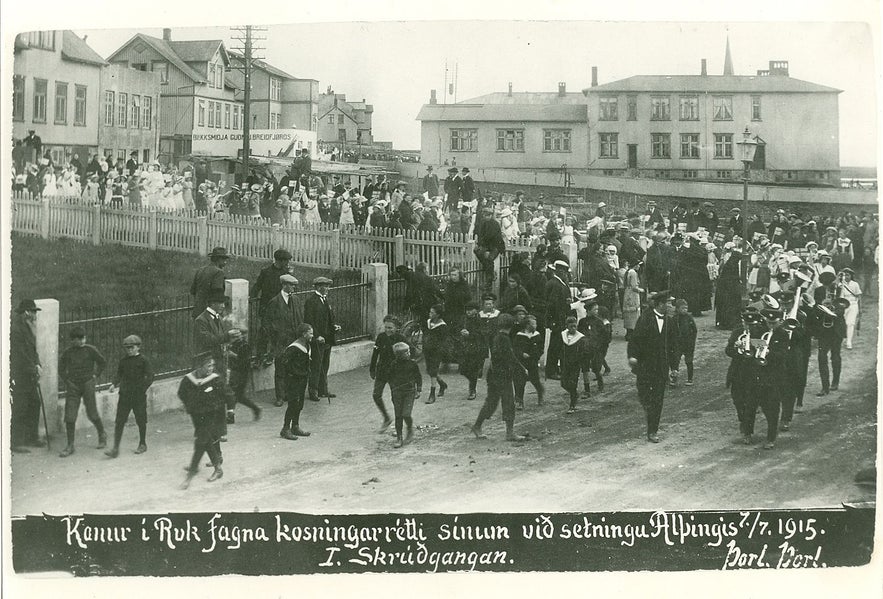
point(528, 98)
point(75, 49)
point(503, 112)
point(163, 48)
point(712, 83)
point(196, 50)
point(264, 66)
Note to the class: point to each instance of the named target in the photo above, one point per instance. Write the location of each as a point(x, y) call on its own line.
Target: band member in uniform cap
point(742, 375)
point(650, 348)
point(771, 381)
point(558, 299)
point(318, 314)
point(830, 329)
point(205, 396)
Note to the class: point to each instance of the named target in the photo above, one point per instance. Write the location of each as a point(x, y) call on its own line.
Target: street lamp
point(747, 147)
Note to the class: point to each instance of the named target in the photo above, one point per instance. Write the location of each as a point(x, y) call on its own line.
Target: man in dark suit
point(430, 183)
point(468, 186)
point(650, 348)
point(24, 377)
point(209, 280)
point(318, 314)
point(558, 299)
point(265, 288)
point(212, 333)
point(279, 325)
point(737, 222)
point(132, 163)
point(453, 189)
point(655, 216)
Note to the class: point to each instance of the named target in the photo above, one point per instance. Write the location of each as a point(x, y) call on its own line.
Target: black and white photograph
point(476, 298)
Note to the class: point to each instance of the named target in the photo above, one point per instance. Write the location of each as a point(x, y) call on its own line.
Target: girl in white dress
point(850, 290)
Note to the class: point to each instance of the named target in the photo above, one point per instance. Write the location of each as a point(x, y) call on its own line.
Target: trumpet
point(763, 350)
point(743, 343)
point(791, 323)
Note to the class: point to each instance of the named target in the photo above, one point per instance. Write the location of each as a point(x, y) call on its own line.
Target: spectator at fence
point(430, 183)
point(319, 315)
point(421, 291)
point(457, 294)
point(279, 322)
point(79, 365)
point(209, 280)
point(24, 375)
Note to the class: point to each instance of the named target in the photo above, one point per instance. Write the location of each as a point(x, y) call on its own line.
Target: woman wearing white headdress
point(850, 290)
point(311, 211)
point(509, 225)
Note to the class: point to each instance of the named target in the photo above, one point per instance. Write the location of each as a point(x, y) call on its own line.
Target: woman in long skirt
point(631, 299)
point(728, 297)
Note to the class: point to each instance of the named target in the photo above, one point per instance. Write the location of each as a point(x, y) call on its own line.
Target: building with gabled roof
point(199, 98)
point(278, 100)
point(344, 123)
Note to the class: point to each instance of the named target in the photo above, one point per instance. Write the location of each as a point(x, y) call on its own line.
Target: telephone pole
point(247, 58)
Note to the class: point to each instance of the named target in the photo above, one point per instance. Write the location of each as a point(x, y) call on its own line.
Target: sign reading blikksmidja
point(291, 543)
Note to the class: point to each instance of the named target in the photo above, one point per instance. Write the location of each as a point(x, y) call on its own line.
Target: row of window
point(41, 101)
point(660, 108)
point(511, 140)
point(660, 145)
point(213, 111)
point(715, 174)
point(125, 110)
point(44, 40)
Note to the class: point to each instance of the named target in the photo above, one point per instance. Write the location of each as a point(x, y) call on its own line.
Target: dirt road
point(594, 460)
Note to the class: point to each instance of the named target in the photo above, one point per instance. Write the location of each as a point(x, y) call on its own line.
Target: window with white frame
point(40, 91)
point(755, 108)
point(556, 140)
point(18, 98)
point(135, 118)
point(226, 116)
point(108, 108)
point(60, 103)
point(275, 89)
point(609, 145)
point(608, 108)
point(660, 108)
point(689, 145)
point(200, 113)
point(464, 140)
point(660, 145)
point(723, 174)
point(331, 120)
point(80, 105)
point(510, 140)
point(122, 109)
point(691, 174)
point(211, 74)
point(217, 115)
point(211, 114)
point(161, 67)
point(689, 108)
point(274, 120)
point(147, 112)
point(236, 116)
point(723, 108)
point(219, 76)
point(723, 145)
point(631, 103)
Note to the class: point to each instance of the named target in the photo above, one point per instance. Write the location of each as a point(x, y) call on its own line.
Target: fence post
point(335, 249)
point(47, 349)
point(202, 231)
point(44, 218)
point(469, 258)
point(377, 274)
point(399, 249)
point(96, 224)
point(152, 230)
point(237, 291)
point(276, 237)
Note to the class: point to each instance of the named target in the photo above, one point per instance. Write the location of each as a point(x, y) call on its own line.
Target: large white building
point(665, 126)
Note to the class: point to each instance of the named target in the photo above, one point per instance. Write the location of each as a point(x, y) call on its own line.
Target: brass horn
point(770, 302)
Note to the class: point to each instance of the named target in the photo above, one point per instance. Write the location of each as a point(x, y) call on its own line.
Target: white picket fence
point(322, 245)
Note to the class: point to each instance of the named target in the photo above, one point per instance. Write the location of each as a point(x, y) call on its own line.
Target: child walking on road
point(685, 333)
point(381, 364)
point(79, 365)
point(434, 341)
point(406, 383)
point(134, 376)
point(528, 346)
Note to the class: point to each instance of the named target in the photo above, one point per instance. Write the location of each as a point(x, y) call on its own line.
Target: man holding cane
point(24, 375)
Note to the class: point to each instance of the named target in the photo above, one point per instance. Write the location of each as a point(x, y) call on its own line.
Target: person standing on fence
point(318, 314)
point(205, 395)
point(24, 376)
point(133, 377)
point(265, 288)
point(78, 367)
point(209, 280)
point(489, 245)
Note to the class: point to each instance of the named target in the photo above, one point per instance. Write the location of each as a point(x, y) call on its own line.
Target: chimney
point(779, 68)
point(704, 71)
point(510, 89)
point(594, 76)
point(167, 35)
point(562, 88)
point(432, 98)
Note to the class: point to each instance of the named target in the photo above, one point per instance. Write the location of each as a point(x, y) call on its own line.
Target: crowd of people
point(653, 275)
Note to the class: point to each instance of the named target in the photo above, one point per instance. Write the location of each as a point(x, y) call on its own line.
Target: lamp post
point(747, 148)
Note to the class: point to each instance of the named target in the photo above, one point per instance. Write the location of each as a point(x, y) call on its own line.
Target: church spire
point(728, 60)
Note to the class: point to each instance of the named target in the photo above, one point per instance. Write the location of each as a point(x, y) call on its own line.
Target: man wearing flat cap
point(650, 349)
point(737, 222)
point(319, 315)
point(24, 376)
point(266, 287)
point(209, 280)
point(283, 314)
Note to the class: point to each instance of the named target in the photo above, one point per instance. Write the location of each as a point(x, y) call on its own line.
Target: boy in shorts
point(79, 365)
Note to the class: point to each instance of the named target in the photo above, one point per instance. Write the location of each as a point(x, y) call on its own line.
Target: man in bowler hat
point(319, 315)
point(24, 376)
point(209, 280)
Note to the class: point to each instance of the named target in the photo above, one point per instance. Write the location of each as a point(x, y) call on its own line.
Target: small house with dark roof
point(344, 123)
point(199, 99)
point(56, 80)
point(530, 130)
